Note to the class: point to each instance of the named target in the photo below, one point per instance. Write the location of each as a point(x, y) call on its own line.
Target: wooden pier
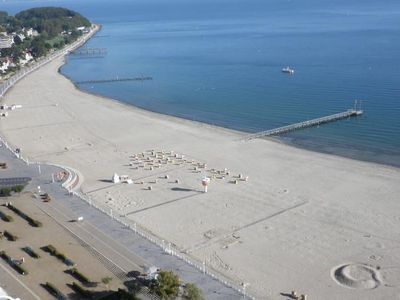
point(314, 122)
point(90, 52)
point(114, 80)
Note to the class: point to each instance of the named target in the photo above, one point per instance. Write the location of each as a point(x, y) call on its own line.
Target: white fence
point(165, 246)
point(73, 179)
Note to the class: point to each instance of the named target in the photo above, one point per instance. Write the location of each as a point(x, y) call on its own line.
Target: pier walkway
point(90, 52)
point(114, 80)
point(314, 122)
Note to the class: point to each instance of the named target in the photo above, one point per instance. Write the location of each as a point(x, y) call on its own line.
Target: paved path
point(117, 247)
point(8, 277)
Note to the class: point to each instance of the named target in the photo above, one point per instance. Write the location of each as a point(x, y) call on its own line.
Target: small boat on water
point(288, 70)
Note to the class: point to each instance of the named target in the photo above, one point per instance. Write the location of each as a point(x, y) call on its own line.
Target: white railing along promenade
point(7, 84)
point(164, 245)
point(71, 183)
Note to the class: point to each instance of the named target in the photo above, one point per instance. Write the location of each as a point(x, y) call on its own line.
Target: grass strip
point(31, 221)
point(54, 291)
point(10, 236)
point(5, 217)
point(31, 252)
point(81, 291)
point(78, 275)
point(20, 269)
point(61, 256)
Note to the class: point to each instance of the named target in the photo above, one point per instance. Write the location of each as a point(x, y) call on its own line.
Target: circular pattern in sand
point(357, 276)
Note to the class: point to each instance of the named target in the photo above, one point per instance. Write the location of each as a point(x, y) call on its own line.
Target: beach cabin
point(115, 178)
point(14, 106)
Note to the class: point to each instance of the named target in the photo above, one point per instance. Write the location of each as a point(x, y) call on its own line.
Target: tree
point(13, 24)
point(17, 40)
point(3, 17)
point(166, 286)
point(124, 295)
point(106, 281)
point(192, 292)
point(52, 20)
point(38, 47)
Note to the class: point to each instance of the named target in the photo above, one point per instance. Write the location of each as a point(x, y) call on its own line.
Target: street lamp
point(245, 285)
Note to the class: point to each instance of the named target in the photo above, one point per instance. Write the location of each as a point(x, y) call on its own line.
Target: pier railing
point(90, 52)
point(309, 123)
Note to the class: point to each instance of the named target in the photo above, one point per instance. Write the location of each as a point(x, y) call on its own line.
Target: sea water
point(220, 62)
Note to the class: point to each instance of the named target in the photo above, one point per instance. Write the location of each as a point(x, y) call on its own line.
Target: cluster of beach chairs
point(169, 165)
point(151, 159)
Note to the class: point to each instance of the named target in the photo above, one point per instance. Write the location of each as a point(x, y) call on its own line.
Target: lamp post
point(245, 285)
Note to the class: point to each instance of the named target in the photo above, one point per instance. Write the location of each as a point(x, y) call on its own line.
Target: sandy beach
point(322, 225)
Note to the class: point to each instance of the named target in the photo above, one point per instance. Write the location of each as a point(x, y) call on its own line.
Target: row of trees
point(56, 27)
point(49, 20)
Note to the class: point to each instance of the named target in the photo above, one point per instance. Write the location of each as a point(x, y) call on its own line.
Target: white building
point(26, 58)
point(5, 63)
point(115, 178)
point(5, 41)
point(31, 32)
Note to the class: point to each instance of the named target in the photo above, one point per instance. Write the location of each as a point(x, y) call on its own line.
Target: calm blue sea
point(220, 62)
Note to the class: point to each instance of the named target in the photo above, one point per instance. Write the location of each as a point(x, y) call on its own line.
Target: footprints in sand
point(357, 276)
point(391, 276)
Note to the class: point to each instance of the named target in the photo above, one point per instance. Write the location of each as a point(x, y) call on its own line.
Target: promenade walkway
point(126, 248)
point(118, 248)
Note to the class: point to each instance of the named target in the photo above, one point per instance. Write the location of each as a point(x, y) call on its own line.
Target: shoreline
point(155, 113)
point(277, 139)
point(239, 133)
point(285, 227)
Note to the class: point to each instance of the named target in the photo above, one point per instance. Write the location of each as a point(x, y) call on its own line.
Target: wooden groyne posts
point(314, 122)
point(115, 80)
point(90, 52)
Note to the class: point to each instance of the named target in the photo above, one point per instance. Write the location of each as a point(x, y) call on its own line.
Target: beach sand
point(322, 225)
